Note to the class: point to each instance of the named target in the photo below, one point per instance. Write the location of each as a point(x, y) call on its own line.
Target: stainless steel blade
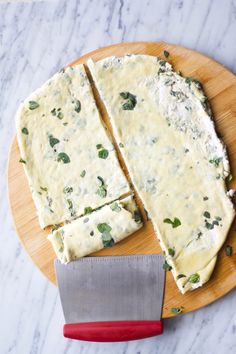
point(111, 288)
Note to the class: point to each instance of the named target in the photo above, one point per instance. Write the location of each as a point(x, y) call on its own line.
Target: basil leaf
point(44, 189)
point(194, 278)
point(33, 105)
point(22, 161)
point(99, 146)
point(25, 131)
point(77, 106)
point(62, 156)
point(53, 141)
point(121, 145)
point(103, 154)
point(228, 250)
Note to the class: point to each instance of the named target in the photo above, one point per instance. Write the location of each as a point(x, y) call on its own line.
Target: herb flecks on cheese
point(54, 128)
point(94, 231)
point(174, 173)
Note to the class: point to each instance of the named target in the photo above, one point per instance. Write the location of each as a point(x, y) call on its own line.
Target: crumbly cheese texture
point(92, 232)
point(67, 154)
point(162, 122)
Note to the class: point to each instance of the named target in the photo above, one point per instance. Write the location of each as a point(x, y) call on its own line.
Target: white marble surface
point(36, 39)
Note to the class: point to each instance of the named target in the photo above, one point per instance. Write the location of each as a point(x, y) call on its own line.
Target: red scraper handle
point(114, 331)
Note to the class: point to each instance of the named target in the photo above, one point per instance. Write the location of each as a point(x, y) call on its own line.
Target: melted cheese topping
point(70, 161)
point(176, 161)
point(90, 233)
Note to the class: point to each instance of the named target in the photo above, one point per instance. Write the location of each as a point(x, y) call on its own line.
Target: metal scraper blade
point(111, 288)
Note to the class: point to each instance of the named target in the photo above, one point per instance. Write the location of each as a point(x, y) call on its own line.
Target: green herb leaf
point(70, 204)
point(228, 250)
point(209, 226)
point(60, 115)
point(53, 141)
point(216, 161)
point(179, 276)
point(103, 154)
point(190, 79)
point(194, 278)
point(101, 191)
point(177, 310)
point(99, 146)
point(115, 207)
point(137, 216)
point(166, 266)
point(62, 156)
point(166, 53)
point(121, 145)
point(205, 198)
point(83, 173)
point(67, 190)
point(175, 223)
point(25, 131)
point(218, 218)
point(88, 210)
point(33, 105)
point(207, 214)
point(130, 102)
point(107, 239)
point(124, 95)
point(171, 252)
point(104, 227)
point(44, 189)
point(77, 106)
point(101, 181)
point(22, 161)
point(53, 111)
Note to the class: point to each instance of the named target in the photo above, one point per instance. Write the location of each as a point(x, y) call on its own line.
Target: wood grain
point(220, 87)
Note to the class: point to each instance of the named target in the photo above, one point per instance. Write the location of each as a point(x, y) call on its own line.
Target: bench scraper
point(110, 299)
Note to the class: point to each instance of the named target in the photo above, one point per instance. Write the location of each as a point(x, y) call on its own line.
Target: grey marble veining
point(36, 39)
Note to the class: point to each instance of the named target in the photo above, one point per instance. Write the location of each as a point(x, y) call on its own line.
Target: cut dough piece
point(92, 232)
point(70, 161)
point(178, 165)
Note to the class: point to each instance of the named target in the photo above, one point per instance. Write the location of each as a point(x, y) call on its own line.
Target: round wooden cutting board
point(220, 87)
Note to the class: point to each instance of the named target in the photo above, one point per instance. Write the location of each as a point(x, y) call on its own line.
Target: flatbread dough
point(163, 125)
point(92, 232)
point(68, 157)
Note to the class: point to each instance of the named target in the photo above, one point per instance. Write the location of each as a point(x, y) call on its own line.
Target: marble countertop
point(36, 39)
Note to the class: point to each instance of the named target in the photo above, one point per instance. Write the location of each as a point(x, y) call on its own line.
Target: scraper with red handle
point(110, 299)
